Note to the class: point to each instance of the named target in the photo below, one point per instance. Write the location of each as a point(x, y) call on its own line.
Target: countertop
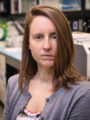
point(13, 56)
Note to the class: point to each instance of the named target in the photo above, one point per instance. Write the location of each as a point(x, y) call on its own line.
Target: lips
point(46, 56)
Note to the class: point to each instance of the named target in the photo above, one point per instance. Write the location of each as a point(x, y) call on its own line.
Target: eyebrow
point(36, 34)
point(53, 33)
point(41, 34)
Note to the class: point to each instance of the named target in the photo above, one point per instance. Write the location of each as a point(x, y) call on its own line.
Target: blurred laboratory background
point(12, 17)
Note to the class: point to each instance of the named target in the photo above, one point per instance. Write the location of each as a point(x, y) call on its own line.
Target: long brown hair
point(64, 71)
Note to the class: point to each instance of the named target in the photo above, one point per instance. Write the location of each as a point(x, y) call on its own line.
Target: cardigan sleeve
point(81, 109)
point(10, 86)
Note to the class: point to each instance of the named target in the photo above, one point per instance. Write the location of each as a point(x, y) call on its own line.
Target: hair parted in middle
point(64, 71)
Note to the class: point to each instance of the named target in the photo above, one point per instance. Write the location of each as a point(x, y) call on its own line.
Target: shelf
point(74, 15)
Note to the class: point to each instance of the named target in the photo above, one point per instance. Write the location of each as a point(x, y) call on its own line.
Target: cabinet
point(2, 78)
point(10, 59)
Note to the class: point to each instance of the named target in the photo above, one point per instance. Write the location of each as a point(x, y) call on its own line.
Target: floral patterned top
point(28, 115)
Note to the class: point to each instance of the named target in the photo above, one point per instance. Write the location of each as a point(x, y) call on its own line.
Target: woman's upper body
point(64, 104)
point(47, 79)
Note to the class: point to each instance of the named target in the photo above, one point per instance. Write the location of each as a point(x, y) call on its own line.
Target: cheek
point(34, 54)
point(35, 50)
point(55, 49)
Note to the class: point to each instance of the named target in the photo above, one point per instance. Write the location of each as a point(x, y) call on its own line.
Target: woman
point(48, 86)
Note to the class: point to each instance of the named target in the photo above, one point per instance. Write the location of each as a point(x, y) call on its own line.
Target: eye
point(54, 37)
point(38, 37)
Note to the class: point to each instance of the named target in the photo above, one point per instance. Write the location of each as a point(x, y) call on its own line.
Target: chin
point(49, 64)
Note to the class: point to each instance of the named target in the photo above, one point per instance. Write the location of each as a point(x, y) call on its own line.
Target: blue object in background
point(71, 4)
point(67, 2)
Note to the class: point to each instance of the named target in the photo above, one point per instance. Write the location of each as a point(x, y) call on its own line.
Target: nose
point(47, 45)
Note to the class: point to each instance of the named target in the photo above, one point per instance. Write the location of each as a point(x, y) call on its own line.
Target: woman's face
point(42, 41)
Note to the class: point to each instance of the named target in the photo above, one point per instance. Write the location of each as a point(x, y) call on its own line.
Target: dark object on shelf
point(86, 25)
point(7, 5)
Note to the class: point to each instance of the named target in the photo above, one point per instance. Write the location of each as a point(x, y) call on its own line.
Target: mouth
point(48, 56)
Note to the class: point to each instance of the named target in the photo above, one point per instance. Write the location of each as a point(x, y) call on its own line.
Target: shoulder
point(12, 86)
point(80, 105)
point(84, 89)
point(13, 81)
point(77, 91)
point(81, 87)
point(80, 91)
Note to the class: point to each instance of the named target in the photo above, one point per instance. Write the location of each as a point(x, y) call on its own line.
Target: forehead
point(41, 22)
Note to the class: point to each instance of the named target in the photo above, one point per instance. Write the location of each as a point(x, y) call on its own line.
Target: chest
point(38, 99)
point(53, 109)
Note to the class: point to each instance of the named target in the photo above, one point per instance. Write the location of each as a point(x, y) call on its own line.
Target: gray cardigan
point(64, 104)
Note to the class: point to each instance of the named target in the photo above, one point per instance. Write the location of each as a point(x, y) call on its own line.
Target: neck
point(45, 74)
